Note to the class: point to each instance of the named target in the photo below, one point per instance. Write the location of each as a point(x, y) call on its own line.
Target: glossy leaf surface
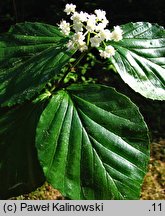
point(20, 171)
point(31, 54)
point(140, 58)
point(92, 143)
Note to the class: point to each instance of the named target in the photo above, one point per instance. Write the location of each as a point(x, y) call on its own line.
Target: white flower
point(69, 8)
point(108, 52)
point(91, 23)
point(105, 34)
point(92, 17)
point(76, 17)
point(101, 15)
point(100, 27)
point(65, 27)
point(83, 47)
point(77, 42)
point(116, 35)
point(70, 45)
point(95, 41)
point(78, 37)
point(89, 28)
point(84, 16)
point(105, 22)
point(77, 26)
point(80, 43)
point(79, 17)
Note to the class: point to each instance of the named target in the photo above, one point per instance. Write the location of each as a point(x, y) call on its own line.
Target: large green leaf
point(20, 171)
point(92, 143)
point(31, 54)
point(140, 58)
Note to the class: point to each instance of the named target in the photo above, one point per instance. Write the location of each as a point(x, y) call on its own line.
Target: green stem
point(79, 59)
point(104, 44)
point(59, 84)
point(88, 38)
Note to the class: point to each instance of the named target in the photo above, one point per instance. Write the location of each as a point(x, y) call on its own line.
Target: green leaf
point(20, 171)
point(140, 58)
point(31, 54)
point(92, 143)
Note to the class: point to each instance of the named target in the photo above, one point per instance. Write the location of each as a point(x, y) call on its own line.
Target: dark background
point(118, 12)
point(51, 11)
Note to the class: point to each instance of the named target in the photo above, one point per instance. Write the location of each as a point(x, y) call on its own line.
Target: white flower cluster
point(90, 30)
